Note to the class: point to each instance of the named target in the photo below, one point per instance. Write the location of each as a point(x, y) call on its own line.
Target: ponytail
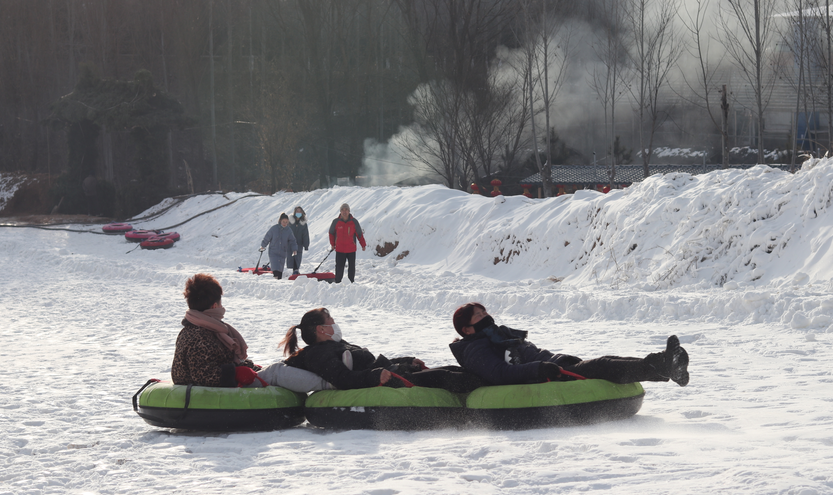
point(309, 323)
point(290, 341)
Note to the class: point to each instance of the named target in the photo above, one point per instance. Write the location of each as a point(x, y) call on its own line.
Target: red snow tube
point(157, 243)
point(174, 236)
point(141, 235)
point(117, 228)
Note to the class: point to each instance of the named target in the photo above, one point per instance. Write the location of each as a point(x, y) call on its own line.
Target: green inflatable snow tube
point(550, 404)
point(191, 407)
point(384, 408)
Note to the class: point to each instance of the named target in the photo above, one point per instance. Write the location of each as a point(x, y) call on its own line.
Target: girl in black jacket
point(347, 366)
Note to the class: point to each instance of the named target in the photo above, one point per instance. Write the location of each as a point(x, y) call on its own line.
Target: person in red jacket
point(343, 234)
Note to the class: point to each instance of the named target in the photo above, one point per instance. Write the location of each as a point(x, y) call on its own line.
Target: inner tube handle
point(187, 401)
point(136, 395)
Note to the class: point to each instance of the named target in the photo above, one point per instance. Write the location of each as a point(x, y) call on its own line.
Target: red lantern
point(474, 188)
point(496, 184)
point(606, 189)
point(526, 190)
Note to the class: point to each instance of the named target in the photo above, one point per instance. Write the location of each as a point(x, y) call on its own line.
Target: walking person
point(298, 224)
point(343, 234)
point(281, 242)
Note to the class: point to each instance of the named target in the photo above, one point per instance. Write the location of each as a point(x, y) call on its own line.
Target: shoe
point(676, 360)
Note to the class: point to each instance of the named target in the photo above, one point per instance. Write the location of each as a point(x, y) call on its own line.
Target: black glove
point(548, 371)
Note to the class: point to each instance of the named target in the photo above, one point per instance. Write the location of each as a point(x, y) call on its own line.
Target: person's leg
point(281, 375)
point(656, 367)
point(351, 266)
point(617, 369)
point(453, 381)
point(297, 261)
point(277, 275)
point(340, 259)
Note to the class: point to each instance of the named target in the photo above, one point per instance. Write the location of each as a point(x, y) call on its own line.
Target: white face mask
point(336, 332)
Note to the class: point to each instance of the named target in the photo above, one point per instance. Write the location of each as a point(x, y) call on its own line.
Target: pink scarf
point(210, 320)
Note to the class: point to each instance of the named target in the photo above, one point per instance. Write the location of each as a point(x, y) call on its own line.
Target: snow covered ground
point(737, 263)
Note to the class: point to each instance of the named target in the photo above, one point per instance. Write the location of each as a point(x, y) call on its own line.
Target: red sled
point(328, 277)
point(259, 271)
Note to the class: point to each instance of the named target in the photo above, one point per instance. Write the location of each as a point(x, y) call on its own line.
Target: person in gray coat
point(298, 224)
point(281, 242)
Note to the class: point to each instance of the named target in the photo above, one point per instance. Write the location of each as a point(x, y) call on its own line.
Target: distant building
point(567, 179)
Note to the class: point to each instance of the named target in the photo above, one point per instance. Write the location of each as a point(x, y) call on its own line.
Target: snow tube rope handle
point(154, 380)
point(574, 375)
point(407, 383)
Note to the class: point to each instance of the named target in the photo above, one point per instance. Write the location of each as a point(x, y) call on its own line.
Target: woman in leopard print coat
point(208, 351)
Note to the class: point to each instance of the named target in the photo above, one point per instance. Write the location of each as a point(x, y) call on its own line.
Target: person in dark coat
point(298, 224)
point(209, 352)
point(347, 366)
point(281, 242)
point(344, 231)
point(502, 356)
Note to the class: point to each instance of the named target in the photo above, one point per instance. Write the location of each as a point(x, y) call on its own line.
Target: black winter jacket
point(325, 360)
point(477, 354)
point(484, 353)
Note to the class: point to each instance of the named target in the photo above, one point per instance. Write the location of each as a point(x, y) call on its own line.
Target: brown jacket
point(201, 359)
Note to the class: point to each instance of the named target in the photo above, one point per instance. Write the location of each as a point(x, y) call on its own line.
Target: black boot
point(673, 363)
point(677, 359)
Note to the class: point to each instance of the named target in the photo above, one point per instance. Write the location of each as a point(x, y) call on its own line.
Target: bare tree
point(498, 122)
point(606, 78)
point(547, 43)
point(705, 87)
point(280, 130)
point(794, 35)
point(453, 42)
point(656, 48)
point(746, 32)
point(438, 141)
point(820, 46)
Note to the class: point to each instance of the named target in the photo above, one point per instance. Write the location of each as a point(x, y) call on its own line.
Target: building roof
point(625, 174)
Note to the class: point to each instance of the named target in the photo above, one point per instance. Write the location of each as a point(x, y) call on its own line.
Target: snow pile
point(758, 225)
point(666, 152)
